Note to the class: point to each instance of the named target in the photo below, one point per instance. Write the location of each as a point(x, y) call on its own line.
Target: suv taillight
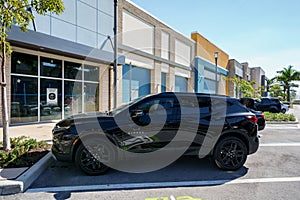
point(263, 115)
point(252, 119)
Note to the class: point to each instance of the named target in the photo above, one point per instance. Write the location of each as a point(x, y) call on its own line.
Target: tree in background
point(276, 91)
point(285, 77)
point(245, 87)
point(15, 12)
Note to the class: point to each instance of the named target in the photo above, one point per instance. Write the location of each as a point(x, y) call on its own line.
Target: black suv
point(223, 128)
point(264, 104)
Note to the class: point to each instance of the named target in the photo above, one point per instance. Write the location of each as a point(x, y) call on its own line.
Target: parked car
point(249, 103)
point(237, 138)
point(261, 122)
point(284, 107)
point(264, 104)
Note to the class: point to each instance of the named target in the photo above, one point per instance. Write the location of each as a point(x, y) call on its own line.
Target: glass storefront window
point(209, 86)
point(51, 67)
point(163, 82)
point(135, 82)
point(80, 86)
point(181, 84)
point(72, 98)
point(24, 64)
point(51, 94)
point(91, 73)
point(24, 99)
point(73, 70)
point(91, 91)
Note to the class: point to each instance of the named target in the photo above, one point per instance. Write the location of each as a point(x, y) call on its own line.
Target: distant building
point(205, 67)
point(243, 71)
point(259, 77)
point(236, 69)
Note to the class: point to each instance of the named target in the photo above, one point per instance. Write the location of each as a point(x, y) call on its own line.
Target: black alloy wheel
point(92, 157)
point(230, 153)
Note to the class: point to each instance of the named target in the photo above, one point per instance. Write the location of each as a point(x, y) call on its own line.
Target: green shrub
point(279, 117)
point(19, 146)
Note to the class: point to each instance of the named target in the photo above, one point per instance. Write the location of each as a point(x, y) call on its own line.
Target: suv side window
point(146, 105)
point(275, 101)
point(265, 101)
point(156, 105)
point(204, 104)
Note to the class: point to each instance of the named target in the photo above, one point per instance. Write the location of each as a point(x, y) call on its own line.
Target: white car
point(284, 107)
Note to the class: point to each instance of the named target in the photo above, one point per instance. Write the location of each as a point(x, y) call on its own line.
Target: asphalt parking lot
point(274, 168)
point(271, 173)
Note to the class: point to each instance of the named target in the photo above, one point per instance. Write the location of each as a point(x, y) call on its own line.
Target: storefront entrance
point(46, 87)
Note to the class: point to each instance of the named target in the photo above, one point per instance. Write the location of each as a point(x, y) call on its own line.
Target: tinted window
point(73, 70)
point(204, 104)
point(234, 106)
point(265, 101)
point(24, 63)
point(91, 73)
point(51, 67)
point(275, 100)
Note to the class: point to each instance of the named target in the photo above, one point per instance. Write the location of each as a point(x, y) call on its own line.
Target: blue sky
point(264, 33)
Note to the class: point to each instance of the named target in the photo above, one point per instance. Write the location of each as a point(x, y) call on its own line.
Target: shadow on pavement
point(187, 168)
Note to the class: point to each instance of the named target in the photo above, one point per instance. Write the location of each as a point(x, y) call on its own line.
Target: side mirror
point(137, 113)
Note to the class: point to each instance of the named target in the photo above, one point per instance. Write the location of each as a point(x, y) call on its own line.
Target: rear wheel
point(230, 153)
point(273, 110)
point(283, 110)
point(92, 157)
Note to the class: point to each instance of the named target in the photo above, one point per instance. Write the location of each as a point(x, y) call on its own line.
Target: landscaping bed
point(24, 152)
point(279, 117)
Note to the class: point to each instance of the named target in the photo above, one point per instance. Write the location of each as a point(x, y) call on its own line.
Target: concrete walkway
point(41, 132)
point(295, 111)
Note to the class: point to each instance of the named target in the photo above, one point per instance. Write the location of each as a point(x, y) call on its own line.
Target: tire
point(283, 111)
point(273, 110)
point(91, 157)
point(230, 153)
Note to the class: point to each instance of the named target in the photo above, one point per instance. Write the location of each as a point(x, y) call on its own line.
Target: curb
point(27, 178)
point(283, 122)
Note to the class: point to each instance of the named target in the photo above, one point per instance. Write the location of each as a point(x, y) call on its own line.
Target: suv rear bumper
point(253, 144)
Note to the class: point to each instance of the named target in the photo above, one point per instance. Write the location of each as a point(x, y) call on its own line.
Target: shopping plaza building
point(63, 64)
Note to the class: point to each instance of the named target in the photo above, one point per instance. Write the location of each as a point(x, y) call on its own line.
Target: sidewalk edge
point(27, 178)
point(35, 171)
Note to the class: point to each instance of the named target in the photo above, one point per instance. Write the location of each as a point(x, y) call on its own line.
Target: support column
point(156, 79)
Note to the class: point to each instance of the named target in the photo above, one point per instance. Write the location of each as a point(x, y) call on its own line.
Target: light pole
point(115, 51)
point(216, 72)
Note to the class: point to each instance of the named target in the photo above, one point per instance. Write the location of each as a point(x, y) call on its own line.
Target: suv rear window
point(233, 106)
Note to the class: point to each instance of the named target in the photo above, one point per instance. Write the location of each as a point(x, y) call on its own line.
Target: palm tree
point(286, 76)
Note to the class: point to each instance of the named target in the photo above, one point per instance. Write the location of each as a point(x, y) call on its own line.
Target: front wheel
point(92, 157)
point(230, 153)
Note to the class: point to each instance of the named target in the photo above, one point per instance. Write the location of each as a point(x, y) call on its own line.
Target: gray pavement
point(41, 131)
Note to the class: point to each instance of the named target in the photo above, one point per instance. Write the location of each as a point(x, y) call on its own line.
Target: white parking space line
point(161, 184)
point(286, 144)
point(283, 127)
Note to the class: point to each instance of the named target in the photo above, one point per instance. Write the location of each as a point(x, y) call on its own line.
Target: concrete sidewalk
point(9, 184)
point(295, 111)
point(41, 131)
